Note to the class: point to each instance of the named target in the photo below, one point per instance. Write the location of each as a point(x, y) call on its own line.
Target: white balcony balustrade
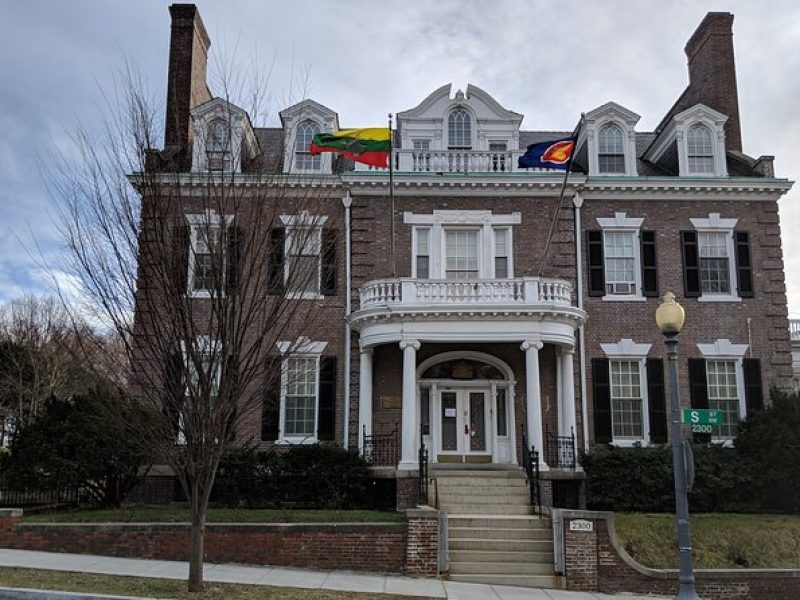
point(453, 161)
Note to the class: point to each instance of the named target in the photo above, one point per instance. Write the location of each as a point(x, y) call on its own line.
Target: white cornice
point(621, 221)
point(722, 348)
point(626, 348)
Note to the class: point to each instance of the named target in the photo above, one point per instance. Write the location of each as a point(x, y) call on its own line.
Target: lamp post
point(669, 318)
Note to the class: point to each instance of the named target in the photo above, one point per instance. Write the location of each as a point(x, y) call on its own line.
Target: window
point(303, 244)
point(502, 413)
point(422, 155)
point(422, 144)
point(723, 396)
point(205, 251)
point(459, 129)
point(714, 262)
point(498, 155)
point(218, 146)
point(620, 262)
point(461, 254)
point(423, 258)
point(610, 149)
point(626, 399)
point(501, 253)
point(300, 396)
point(304, 134)
point(203, 244)
point(700, 150)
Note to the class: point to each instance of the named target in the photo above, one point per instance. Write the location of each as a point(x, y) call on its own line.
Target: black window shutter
point(691, 264)
point(271, 405)
point(277, 241)
point(180, 256)
point(602, 401)
point(698, 392)
point(326, 427)
point(594, 244)
point(234, 258)
point(232, 381)
point(328, 275)
point(175, 391)
point(753, 392)
point(649, 267)
point(657, 401)
point(744, 264)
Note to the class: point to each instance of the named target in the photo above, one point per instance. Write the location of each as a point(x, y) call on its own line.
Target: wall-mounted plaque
point(391, 401)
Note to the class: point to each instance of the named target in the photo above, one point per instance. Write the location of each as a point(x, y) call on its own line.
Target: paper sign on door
point(449, 412)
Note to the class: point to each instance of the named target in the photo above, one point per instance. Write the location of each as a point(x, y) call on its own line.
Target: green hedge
point(314, 476)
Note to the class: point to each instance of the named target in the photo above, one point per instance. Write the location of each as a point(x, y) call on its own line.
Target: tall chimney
point(186, 79)
point(712, 72)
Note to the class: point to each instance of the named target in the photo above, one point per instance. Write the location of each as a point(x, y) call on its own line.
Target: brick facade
point(422, 543)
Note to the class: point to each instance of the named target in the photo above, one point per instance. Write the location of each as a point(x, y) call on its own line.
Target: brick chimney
point(186, 80)
point(712, 73)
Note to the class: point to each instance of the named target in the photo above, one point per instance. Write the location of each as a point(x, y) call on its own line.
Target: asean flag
point(554, 154)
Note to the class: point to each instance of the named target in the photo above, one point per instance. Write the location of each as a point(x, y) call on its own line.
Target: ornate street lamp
point(670, 318)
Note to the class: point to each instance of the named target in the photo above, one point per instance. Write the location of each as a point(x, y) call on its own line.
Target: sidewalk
point(285, 577)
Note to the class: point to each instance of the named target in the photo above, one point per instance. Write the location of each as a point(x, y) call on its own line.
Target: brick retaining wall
point(377, 547)
point(595, 560)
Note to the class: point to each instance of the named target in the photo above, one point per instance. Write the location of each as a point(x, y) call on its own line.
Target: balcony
point(794, 329)
point(453, 161)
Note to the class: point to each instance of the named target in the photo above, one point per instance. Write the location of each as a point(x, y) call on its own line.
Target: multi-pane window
point(501, 253)
point(422, 155)
point(423, 253)
point(205, 274)
point(723, 395)
point(498, 155)
point(459, 129)
point(461, 254)
point(626, 399)
point(218, 142)
point(303, 246)
point(700, 150)
point(610, 149)
point(620, 262)
point(300, 397)
point(204, 368)
point(714, 262)
point(302, 143)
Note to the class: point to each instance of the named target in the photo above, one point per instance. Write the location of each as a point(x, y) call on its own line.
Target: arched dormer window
point(218, 145)
point(610, 149)
point(700, 150)
point(459, 130)
point(303, 161)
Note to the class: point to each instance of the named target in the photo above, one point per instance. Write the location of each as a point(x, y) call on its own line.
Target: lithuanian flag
point(369, 146)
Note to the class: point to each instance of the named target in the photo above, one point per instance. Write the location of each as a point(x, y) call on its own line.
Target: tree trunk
point(197, 534)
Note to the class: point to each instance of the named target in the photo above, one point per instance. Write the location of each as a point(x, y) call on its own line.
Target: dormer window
point(459, 128)
point(303, 161)
point(610, 151)
point(218, 146)
point(700, 150)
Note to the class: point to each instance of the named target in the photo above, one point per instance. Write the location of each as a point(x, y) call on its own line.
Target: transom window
point(610, 149)
point(723, 396)
point(459, 128)
point(300, 398)
point(304, 135)
point(714, 262)
point(700, 150)
point(626, 399)
point(620, 262)
point(461, 254)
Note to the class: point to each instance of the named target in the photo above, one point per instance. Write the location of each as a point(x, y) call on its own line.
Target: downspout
point(347, 200)
point(577, 202)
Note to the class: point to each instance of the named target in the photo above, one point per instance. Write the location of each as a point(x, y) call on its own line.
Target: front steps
point(493, 536)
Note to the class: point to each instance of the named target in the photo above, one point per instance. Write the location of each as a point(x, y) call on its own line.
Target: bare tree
point(204, 275)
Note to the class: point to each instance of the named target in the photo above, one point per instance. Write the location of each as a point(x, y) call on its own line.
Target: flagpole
point(567, 171)
point(391, 199)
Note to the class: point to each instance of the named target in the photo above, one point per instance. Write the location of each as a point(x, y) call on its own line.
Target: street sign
point(702, 416)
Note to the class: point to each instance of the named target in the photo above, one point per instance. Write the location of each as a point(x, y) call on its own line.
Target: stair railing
point(530, 461)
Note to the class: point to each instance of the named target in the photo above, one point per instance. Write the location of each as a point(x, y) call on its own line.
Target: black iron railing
point(530, 461)
point(423, 474)
point(559, 450)
point(381, 449)
point(69, 496)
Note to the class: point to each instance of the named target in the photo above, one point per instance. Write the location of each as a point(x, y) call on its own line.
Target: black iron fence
point(60, 496)
point(381, 449)
point(559, 450)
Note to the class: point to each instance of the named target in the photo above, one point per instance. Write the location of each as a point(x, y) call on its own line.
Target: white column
point(567, 425)
point(364, 396)
point(410, 425)
point(533, 397)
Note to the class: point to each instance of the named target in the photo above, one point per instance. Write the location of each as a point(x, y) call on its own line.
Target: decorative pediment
point(623, 125)
point(612, 111)
point(227, 127)
point(298, 120)
point(309, 108)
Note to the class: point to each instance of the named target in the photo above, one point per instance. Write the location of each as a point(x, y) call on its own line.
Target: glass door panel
point(477, 421)
point(449, 416)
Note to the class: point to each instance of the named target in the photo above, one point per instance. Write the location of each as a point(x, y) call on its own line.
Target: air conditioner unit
point(620, 289)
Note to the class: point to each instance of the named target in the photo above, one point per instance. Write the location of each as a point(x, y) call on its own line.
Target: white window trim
point(724, 349)
point(304, 220)
point(624, 224)
point(210, 218)
point(481, 220)
point(202, 344)
point(324, 158)
point(627, 349)
point(715, 224)
point(715, 121)
point(302, 347)
point(594, 121)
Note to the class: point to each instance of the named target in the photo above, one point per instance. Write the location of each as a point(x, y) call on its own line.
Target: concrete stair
point(493, 536)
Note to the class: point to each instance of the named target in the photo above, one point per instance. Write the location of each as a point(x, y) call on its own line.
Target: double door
point(465, 431)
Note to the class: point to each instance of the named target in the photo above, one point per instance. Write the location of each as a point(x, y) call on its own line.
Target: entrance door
point(465, 434)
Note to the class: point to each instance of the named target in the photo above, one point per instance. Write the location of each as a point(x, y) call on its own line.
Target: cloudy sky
point(364, 58)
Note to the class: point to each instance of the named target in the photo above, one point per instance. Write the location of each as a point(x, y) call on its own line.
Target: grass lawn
point(165, 588)
point(178, 513)
point(720, 541)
